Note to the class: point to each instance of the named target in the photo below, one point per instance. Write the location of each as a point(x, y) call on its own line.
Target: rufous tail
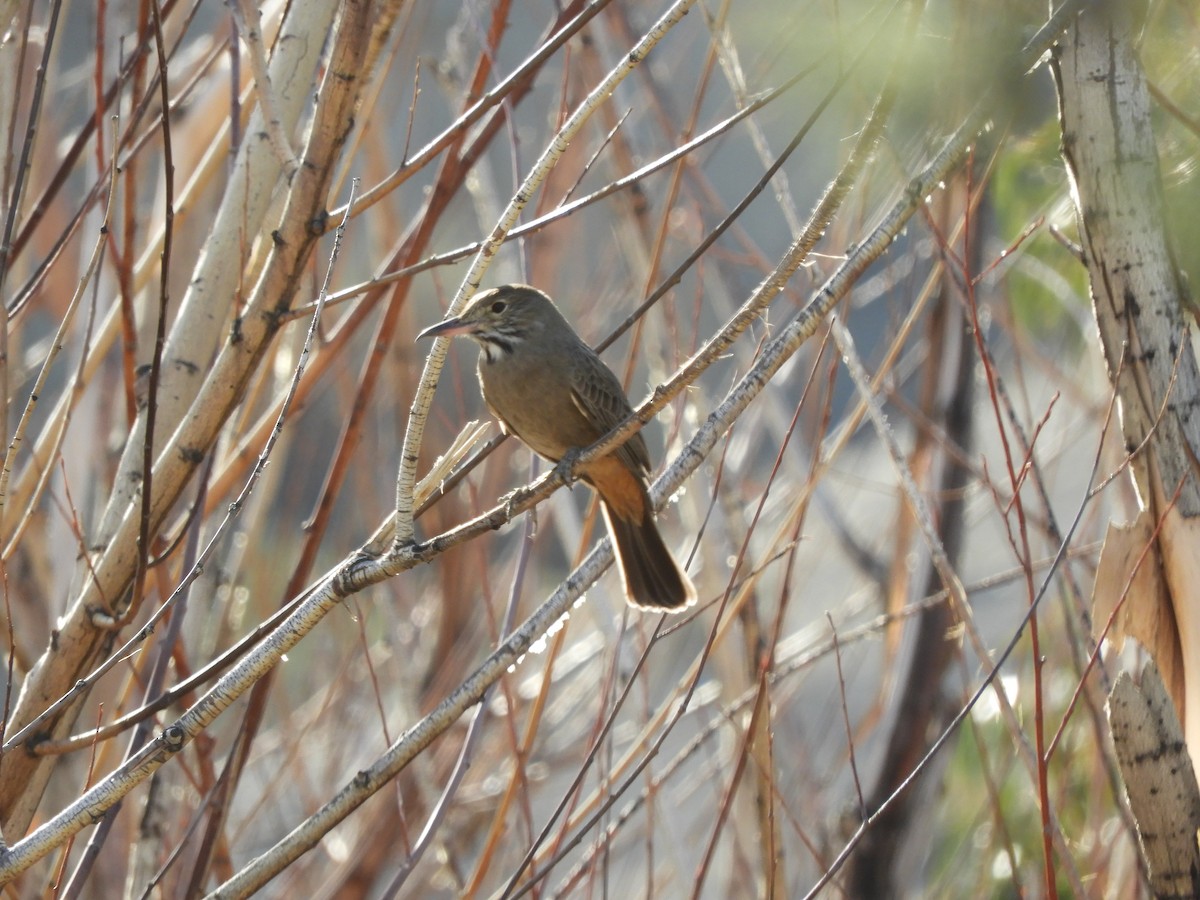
point(652, 578)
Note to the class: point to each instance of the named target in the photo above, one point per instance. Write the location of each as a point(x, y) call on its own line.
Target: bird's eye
point(499, 306)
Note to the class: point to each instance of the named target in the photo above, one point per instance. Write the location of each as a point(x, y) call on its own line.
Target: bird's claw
point(565, 467)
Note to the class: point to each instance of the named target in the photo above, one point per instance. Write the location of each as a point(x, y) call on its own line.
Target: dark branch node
point(172, 739)
point(316, 225)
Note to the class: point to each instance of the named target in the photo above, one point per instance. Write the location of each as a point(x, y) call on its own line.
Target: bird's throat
point(495, 347)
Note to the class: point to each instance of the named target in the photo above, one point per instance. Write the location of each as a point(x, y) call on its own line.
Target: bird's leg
point(565, 467)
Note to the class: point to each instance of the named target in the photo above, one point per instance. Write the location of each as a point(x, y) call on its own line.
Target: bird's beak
point(447, 328)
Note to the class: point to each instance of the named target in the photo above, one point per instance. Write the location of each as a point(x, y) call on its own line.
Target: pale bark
point(82, 639)
point(1150, 568)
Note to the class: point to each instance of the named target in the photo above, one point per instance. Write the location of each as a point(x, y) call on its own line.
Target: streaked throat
point(496, 345)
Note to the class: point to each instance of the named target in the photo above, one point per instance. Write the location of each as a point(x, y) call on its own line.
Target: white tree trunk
point(1140, 301)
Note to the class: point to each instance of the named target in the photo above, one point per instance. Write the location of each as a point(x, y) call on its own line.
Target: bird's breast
point(530, 393)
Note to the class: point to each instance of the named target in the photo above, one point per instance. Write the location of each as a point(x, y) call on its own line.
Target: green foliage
point(1046, 285)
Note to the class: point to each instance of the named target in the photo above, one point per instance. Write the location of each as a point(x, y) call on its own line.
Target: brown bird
point(552, 391)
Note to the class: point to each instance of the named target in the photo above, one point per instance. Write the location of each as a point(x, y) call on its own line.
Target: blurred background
point(733, 751)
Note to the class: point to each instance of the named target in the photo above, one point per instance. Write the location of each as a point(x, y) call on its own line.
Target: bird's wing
point(598, 395)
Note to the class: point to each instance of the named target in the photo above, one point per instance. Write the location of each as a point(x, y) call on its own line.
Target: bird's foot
point(565, 467)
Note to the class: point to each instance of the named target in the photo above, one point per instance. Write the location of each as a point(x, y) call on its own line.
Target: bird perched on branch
point(551, 390)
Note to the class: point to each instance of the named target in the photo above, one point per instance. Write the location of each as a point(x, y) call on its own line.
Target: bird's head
point(500, 319)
